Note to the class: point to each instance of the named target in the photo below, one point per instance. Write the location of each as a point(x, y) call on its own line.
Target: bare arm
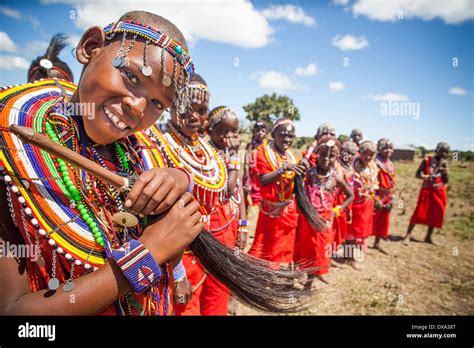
point(419, 172)
point(347, 192)
point(93, 292)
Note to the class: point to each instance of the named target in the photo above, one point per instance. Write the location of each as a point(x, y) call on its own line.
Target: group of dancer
point(175, 241)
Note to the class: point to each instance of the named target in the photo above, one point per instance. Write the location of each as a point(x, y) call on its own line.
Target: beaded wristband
point(137, 265)
point(243, 223)
point(179, 272)
point(190, 179)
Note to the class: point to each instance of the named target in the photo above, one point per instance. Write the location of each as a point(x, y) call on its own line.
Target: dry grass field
point(419, 279)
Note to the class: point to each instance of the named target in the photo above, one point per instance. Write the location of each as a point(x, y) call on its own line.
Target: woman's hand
point(183, 291)
point(177, 229)
point(156, 190)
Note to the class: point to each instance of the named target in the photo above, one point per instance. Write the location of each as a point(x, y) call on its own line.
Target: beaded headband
point(383, 143)
point(199, 93)
point(282, 121)
point(367, 145)
point(349, 146)
point(219, 113)
point(325, 128)
point(153, 36)
point(442, 145)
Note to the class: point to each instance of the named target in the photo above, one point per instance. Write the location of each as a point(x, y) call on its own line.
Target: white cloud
point(336, 86)
point(450, 11)
point(457, 91)
point(7, 11)
point(389, 97)
point(272, 79)
point(310, 70)
point(13, 63)
point(35, 48)
point(234, 22)
point(6, 44)
point(73, 40)
point(290, 13)
point(349, 42)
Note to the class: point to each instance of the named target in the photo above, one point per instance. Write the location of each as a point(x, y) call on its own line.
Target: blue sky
point(393, 52)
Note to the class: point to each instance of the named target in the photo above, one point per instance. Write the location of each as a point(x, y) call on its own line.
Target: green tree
point(271, 107)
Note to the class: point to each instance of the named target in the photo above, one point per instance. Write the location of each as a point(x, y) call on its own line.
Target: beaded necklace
point(366, 179)
point(205, 165)
point(61, 205)
point(275, 159)
point(322, 183)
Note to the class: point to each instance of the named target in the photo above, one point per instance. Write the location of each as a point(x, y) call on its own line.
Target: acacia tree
point(271, 107)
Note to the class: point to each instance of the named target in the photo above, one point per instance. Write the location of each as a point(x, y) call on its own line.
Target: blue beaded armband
point(137, 264)
point(179, 272)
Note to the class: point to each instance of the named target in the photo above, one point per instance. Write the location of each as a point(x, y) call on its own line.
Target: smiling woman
point(68, 214)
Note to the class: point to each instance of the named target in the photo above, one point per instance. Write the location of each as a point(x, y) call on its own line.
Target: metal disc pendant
point(53, 284)
point(125, 219)
point(68, 286)
point(166, 81)
point(147, 70)
point(26, 184)
point(117, 62)
point(40, 261)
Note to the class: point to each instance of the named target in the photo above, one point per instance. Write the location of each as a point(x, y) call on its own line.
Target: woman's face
point(327, 156)
point(367, 156)
point(223, 131)
point(283, 136)
point(386, 152)
point(122, 100)
point(192, 122)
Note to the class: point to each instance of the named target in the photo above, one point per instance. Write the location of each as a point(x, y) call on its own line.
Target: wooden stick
point(29, 136)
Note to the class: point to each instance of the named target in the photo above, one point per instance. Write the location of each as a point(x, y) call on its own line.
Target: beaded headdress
point(367, 146)
point(350, 147)
point(199, 93)
point(325, 128)
point(442, 145)
point(218, 114)
point(383, 143)
point(153, 36)
point(282, 121)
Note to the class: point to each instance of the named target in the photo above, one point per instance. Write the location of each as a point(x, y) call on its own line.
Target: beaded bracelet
point(243, 223)
point(179, 272)
point(190, 179)
point(233, 166)
point(137, 265)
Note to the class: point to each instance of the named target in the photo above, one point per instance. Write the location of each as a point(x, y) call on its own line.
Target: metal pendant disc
point(53, 284)
point(125, 219)
point(147, 70)
point(68, 286)
point(166, 81)
point(116, 62)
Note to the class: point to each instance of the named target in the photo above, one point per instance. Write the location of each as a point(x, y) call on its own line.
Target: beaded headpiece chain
point(199, 93)
point(219, 113)
point(153, 36)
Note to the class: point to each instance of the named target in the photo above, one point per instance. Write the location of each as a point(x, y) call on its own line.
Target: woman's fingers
point(157, 199)
point(138, 187)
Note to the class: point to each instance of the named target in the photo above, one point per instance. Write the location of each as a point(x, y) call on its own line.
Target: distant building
point(403, 153)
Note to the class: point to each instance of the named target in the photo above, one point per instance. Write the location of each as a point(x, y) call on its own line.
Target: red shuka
point(386, 178)
point(313, 248)
point(432, 200)
point(275, 233)
point(363, 204)
point(340, 222)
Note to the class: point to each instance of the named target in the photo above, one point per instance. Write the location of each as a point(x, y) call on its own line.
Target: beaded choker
point(201, 160)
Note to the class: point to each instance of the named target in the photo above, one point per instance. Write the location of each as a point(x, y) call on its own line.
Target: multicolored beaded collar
point(202, 161)
point(56, 199)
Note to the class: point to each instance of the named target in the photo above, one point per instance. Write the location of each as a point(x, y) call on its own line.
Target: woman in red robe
point(385, 195)
point(276, 167)
point(365, 185)
point(317, 206)
point(432, 199)
point(346, 171)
